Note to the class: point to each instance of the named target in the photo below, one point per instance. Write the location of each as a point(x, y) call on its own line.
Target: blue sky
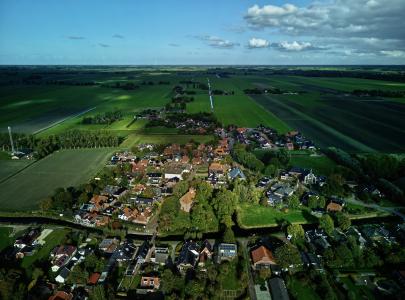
point(201, 32)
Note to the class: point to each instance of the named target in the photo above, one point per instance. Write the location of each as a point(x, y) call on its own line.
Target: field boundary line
point(17, 172)
point(63, 120)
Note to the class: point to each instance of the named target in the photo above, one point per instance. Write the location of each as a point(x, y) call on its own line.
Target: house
point(278, 290)
point(217, 169)
point(161, 255)
point(186, 201)
point(236, 173)
point(226, 251)
point(125, 252)
point(61, 295)
point(262, 258)
point(28, 239)
point(177, 170)
point(296, 171)
point(63, 275)
point(317, 239)
point(310, 260)
point(98, 201)
point(308, 177)
point(196, 161)
point(289, 146)
point(284, 175)
point(114, 191)
point(142, 252)
point(206, 252)
point(93, 279)
point(61, 255)
point(127, 214)
point(273, 199)
point(144, 201)
point(334, 207)
point(150, 282)
point(188, 257)
point(284, 191)
point(154, 178)
point(108, 246)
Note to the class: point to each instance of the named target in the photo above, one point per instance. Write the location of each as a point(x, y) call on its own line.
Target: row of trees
point(76, 139)
point(105, 118)
point(379, 93)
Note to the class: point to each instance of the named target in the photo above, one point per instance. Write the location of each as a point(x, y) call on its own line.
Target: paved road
point(243, 243)
point(391, 209)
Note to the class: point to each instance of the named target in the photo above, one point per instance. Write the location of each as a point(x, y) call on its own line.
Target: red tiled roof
point(94, 278)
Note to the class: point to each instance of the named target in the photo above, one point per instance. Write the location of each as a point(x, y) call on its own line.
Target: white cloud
point(258, 43)
point(217, 42)
point(393, 53)
point(295, 46)
point(359, 18)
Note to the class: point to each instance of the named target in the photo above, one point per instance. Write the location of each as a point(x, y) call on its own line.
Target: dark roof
point(278, 289)
point(187, 254)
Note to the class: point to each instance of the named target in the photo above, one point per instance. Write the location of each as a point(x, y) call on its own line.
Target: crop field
point(64, 168)
point(332, 117)
point(136, 139)
point(10, 167)
point(236, 109)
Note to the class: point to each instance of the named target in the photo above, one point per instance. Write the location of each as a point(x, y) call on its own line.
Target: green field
point(237, 109)
point(320, 164)
point(64, 168)
point(325, 112)
point(136, 139)
point(10, 167)
point(256, 216)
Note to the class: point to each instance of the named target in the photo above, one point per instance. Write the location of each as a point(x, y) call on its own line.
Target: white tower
point(11, 140)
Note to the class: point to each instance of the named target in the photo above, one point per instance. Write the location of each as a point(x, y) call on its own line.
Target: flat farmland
point(25, 190)
point(331, 117)
point(9, 167)
point(349, 124)
point(161, 138)
point(237, 109)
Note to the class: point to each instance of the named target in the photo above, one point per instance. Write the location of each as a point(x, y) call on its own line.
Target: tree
point(343, 221)
point(98, 293)
point(270, 170)
point(171, 282)
point(180, 189)
point(229, 236)
point(293, 202)
point(296, 232)
point(288, 257)
point(254, 194)
point(78, 275)
point(326, 223)
point(46, 204)
point(224, 204)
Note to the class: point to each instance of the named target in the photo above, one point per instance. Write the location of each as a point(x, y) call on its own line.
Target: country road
point(392, 210)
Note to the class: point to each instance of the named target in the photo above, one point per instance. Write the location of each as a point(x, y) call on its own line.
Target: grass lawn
point(136, 139)
point(231, 281)
point(55, 238)
point(5, 239)
point(321, 165)
point(302, 291)
point(254, 216)
point(10, 167)
point(64, 168)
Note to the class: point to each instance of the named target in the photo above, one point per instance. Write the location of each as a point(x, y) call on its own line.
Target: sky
point(184, 32)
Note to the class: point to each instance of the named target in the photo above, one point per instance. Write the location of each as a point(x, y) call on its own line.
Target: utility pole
point(11, 140)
